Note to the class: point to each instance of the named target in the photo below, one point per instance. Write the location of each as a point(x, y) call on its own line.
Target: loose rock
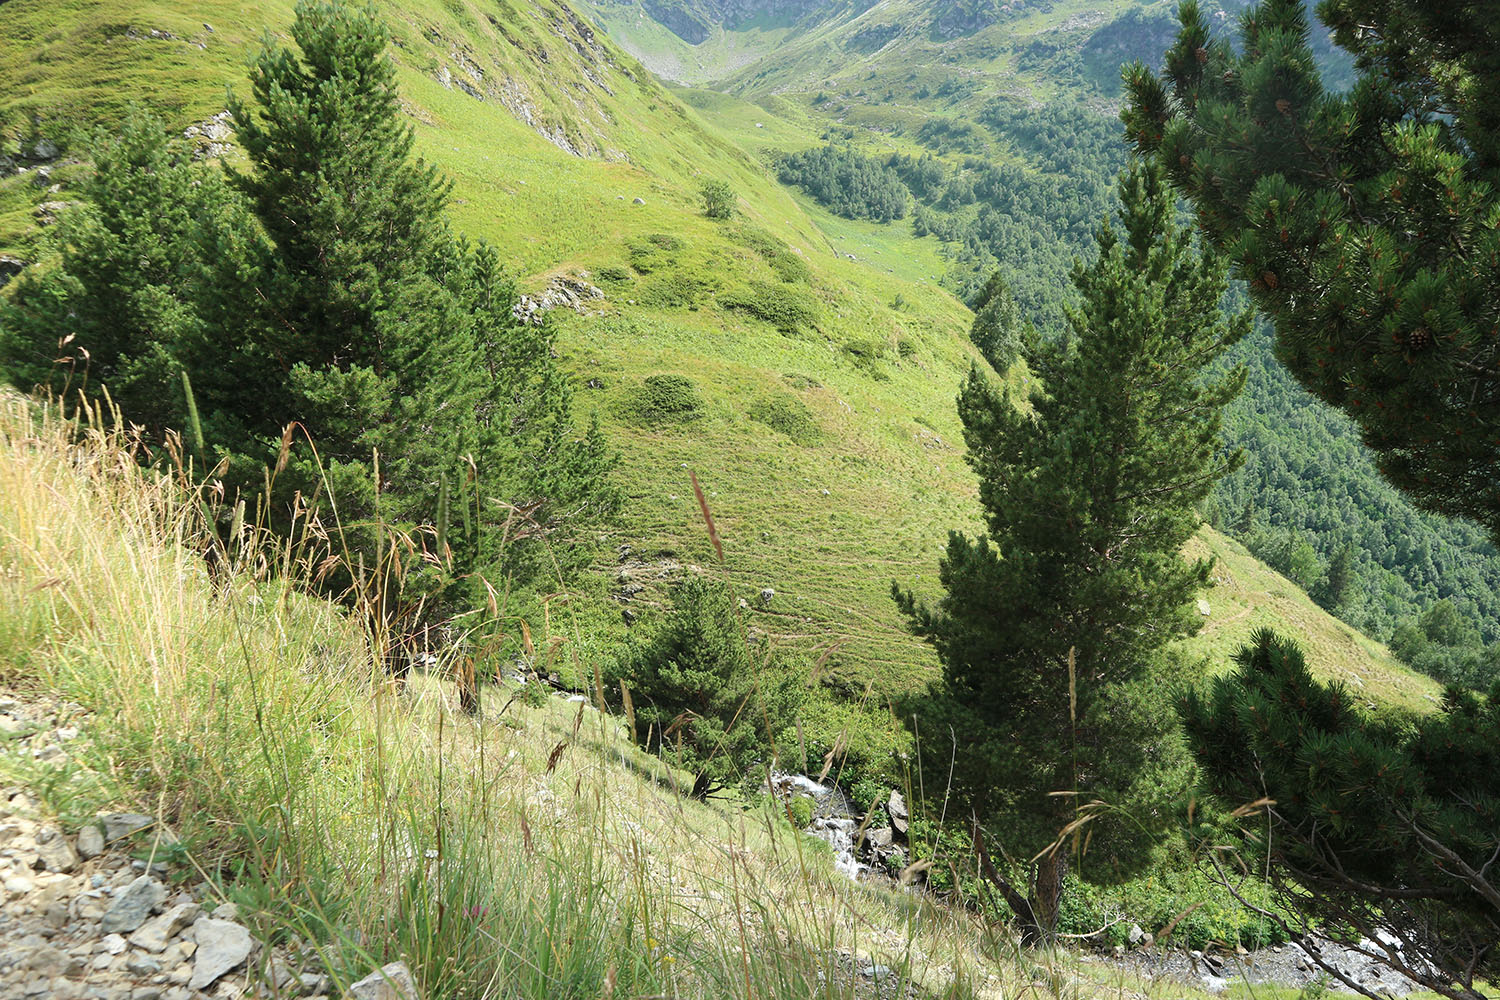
point(391, 982)
point(221, 946)
point(131, 907)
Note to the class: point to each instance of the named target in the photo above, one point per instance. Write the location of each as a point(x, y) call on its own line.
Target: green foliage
point(786, 415)
point(847, 183)
point(866, 353)
point(787, 265)
point(118, 309)
point(1369, 825)
point(703, 697)
point(790, 310)
point(998, 330)
point(324, 291)
point(1080, 585)
point(1308, 478)
point(1442, 644)
point(665, 399)
point(1363, 222)
point(718, 199)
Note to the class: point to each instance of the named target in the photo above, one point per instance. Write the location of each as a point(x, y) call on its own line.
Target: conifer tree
point(1365, 223)
point(998, 329)
point(118, 305)
point(379, 331)
point(1080, 586)
point(1389, 830)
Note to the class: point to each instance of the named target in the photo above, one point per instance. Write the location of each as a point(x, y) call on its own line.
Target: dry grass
point(530, 852)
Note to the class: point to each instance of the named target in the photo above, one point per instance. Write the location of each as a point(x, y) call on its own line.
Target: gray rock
point(143, 965)
point(56, 853)
point(156, 933)
point(90, 841)
point(112, 944)
point(766, 596)
point(221, 946)
point(895, 808)
point(132, 906)
point(391, 982)
point(117, 826)
point(640, 201)
point(880, 837)
point(226, 911)
point(1135, 935)
point(44, 149)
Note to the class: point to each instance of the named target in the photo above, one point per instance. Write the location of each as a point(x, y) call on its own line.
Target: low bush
point(664, 399)
point(788, 416)
point(787, 309)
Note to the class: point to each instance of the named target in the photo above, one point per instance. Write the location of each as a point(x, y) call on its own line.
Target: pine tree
point(1365, 223)
point(116, 309)
point(998, 329)
point(1079, 586)
point(1385, 829)
point(382, 333)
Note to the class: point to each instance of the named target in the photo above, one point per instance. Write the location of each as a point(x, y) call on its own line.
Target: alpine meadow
point(644, 499)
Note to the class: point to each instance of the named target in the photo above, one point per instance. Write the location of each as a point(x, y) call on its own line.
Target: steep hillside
point(802, 364)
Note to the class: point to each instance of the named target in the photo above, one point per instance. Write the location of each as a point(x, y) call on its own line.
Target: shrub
point(785, 263)
point(866, 354)
point(614, 272)
point(788, 310)
point(786, 415)
point(679, 289)
point(701, 699)
point(664, 399)
point(718, 199)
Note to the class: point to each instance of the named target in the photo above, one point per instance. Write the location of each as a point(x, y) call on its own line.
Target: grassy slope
point(827, 525)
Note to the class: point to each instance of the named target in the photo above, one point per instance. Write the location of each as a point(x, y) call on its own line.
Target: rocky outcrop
point(566, 291)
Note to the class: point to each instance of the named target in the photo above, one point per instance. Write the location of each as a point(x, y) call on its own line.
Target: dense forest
point(847, 183)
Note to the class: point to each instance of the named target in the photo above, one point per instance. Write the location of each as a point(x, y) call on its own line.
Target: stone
point(226, 911)
point(19, 885)
point(640, 201)
point(880, 837)
point(118, 826)
point(766, 596)
point(132, 906)
point(1135, 935)
point(53, 848)
point(90, 841)
point(895, 808)
point(391, 982)
point(45, 149)
point(155, 934)
point(1203, 608)
point(222, 945)
point(112, 944)
point(142, 965)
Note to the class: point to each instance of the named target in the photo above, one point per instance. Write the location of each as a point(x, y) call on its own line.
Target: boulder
point(895, 808)
point(156, 933)
point(221, 946)
point(56, 854)
point(133, 906)
point(117, 826)
point(90, 841)
point(390, 982)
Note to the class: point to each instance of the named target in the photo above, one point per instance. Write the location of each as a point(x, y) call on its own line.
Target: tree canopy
point(1366, 223)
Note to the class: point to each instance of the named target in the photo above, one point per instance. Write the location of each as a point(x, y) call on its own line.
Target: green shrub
point(664, 399)
point(614, 272)
point(788, 310)
point(867, 745)
point(702, 699)
point(666, 241)
point(785, 263)
point(866, 354)
point(799, 381)
point(786, 415)
point(678, 289)
point(906, 348)
point(718, 199)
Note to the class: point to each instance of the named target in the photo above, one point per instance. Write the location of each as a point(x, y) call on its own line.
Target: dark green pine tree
point(1388, 830)
point(378, 331)
point(1089, 496)
point(998, 329)
point(116, 307)
point(1365, 222)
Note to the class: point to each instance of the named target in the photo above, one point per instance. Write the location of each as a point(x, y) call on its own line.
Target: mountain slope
point(811, 361)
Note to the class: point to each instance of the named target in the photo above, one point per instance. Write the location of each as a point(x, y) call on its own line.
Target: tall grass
point(530, 852)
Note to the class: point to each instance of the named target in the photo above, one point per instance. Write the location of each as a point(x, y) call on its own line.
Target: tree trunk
point(1046, 892)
